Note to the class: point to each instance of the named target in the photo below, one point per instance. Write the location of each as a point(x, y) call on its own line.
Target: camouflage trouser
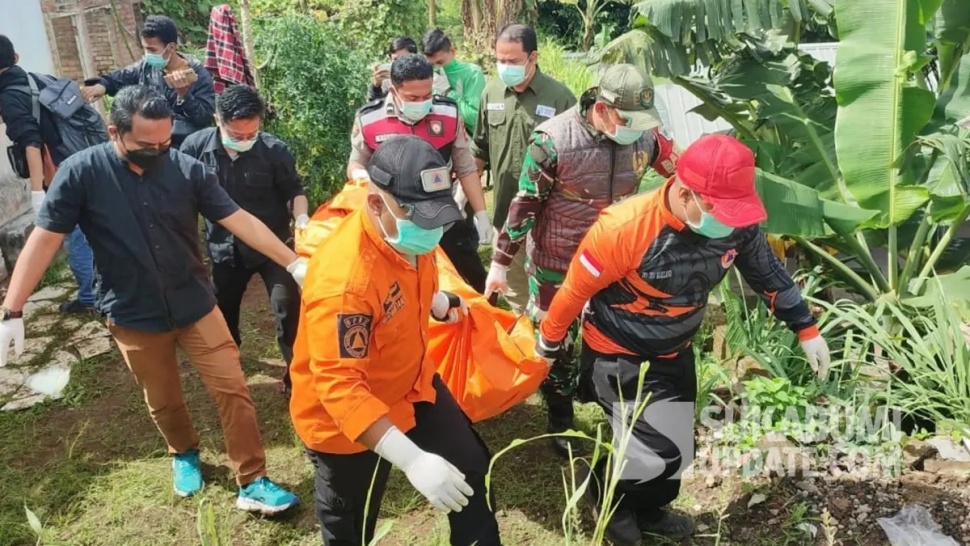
point(543, 285)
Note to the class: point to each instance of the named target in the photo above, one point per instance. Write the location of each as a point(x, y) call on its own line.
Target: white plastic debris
point(50, 381)
point(914, 526)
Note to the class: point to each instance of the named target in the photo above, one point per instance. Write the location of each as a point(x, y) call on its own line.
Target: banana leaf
point(688, 32)
point(883, 102)
point(952, 39)
point(953, 106)
point(948, 179)
point(799, 211)
point(954, 289)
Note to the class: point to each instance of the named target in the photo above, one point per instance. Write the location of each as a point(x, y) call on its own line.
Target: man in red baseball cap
point(646, 269)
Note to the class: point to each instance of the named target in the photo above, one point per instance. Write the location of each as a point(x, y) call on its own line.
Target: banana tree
point(849, 167)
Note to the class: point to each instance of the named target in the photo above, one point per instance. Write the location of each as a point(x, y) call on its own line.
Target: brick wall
point(85, 36)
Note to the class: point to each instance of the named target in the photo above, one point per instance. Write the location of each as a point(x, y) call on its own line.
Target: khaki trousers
point(209, 345)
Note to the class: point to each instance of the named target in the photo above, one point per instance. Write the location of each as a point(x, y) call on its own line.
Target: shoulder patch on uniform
point(591, 264)
point(356, 129)
point(354, 331)
point(436, 127)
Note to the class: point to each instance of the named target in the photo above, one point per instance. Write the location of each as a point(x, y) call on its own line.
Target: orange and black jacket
point(647, 278)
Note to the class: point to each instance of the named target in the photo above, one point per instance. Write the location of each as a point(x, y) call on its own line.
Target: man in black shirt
point(381, 77)
point(39, 144)
point(139, 201)
point(259, 173)
point(184, 81)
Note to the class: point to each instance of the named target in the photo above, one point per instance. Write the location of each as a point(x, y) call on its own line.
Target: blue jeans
point(80, 259)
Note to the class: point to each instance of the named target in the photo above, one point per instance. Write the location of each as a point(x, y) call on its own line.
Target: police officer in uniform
point(410, 109)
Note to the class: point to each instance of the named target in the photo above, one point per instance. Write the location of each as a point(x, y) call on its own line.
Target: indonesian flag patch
point(591, 264)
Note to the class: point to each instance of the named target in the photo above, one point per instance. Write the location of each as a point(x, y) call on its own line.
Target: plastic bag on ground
point(914, 526)
point(487, 360)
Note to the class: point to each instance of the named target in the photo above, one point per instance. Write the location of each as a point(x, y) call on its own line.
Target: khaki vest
point(591, 175)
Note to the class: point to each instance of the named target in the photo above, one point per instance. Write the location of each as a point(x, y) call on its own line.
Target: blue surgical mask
point(709, 226)
point(511, 74)
point(624, 136)
point(237, 145)
point(156, 60)
point(415, 111)
point(412, 239)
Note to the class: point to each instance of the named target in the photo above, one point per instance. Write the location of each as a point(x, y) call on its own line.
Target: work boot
point(561, 420)
point(622, 529)
point(676, 527)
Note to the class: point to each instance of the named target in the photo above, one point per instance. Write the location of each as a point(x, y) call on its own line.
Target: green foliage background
point(315, 82)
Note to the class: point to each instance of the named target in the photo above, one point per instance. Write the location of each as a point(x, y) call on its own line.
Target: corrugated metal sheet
point(675, 103)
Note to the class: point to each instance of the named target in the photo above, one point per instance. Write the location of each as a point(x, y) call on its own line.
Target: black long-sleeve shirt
point(197, 107)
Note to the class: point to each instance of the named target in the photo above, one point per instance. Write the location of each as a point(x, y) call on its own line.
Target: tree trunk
point(483, 19)
point(432, 13)
point(247, 32)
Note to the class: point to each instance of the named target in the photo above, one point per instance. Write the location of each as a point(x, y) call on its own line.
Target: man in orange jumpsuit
point(646, 269)
point(365, 395)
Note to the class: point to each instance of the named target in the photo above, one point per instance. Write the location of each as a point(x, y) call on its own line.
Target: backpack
point(78, 124)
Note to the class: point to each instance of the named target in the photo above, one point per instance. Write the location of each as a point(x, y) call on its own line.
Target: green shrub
point(554, 61)
point(192, 18)
point(315, 83)
point(369, 25)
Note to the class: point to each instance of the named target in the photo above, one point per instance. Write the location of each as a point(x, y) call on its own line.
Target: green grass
point(95, 471)
point(57, 272)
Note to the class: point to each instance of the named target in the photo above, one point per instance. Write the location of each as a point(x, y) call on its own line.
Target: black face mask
point(145, 158)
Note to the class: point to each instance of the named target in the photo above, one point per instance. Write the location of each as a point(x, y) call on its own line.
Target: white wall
point(23, 22)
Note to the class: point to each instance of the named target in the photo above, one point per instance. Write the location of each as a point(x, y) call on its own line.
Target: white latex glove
point(448, 308)
point(359, 174)
point(497, 281)
point(36, 200)
point(818, 355)
point(435, 478)
point(11, 330)
point(298, 270)
point(548, 350)
point(440, 84)
point(301, 221)
point(484, 227)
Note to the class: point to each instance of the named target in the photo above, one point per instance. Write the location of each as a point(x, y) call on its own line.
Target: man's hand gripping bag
point(488, 359)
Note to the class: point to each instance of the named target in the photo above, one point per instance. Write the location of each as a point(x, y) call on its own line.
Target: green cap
point(626, 88)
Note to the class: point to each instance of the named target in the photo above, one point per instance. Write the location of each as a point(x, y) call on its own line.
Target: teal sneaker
point(265, 497)
point(187, 473)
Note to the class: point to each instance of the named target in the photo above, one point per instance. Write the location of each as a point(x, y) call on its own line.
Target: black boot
point(666, 524)
point(561, 420)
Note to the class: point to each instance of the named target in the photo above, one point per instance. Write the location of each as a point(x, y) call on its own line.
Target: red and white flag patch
point(591, 264)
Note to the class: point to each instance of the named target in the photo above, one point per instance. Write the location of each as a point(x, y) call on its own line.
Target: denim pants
point(80, 259)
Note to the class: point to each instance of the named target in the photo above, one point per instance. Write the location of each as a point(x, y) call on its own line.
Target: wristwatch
point(7, 314)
